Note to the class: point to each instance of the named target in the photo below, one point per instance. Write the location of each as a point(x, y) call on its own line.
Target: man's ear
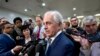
point(60, 26)
point(60, 23)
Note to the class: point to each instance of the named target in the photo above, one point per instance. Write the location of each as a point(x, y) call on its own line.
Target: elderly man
point(92, 37)
point(58, 44)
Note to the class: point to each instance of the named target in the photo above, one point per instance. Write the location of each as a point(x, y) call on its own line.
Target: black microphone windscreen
point(38, 47)
point(31, 50)
point(26, 46)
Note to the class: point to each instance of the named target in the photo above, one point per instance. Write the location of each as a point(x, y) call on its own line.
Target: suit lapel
point(9, 40)
point(56, 40)
point(54, 44)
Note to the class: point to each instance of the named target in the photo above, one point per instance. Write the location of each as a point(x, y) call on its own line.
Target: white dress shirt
point(36, 29)
point(51, 40)
point(54, 37)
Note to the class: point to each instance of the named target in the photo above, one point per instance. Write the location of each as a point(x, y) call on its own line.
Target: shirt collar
point(7, 34)
point(54, 37)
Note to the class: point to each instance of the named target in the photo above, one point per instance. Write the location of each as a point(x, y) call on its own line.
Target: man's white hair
point(89, 19)
point(58, 18)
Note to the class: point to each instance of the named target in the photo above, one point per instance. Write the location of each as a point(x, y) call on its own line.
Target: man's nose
point(45, 27)
point(91, 27)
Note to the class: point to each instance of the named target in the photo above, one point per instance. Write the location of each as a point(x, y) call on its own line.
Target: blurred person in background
point(30, 24)
point(39, 29)
point(28, 38)
point(66, 25)
point(90, 42)
point(17, 33)
point(99, 27)
point(75, 30)
point(2, 21)
point(74, 26)
point(30, 21)
point(7, 43)
point(25, 22)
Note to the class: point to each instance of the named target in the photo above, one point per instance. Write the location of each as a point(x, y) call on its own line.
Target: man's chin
point(48, 35)
point(91, 32)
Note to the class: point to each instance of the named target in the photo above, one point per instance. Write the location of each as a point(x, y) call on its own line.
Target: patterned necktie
point(48, 45)
point(38, 34)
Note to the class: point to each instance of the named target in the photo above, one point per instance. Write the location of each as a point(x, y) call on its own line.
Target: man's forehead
point(3, 19)
point(48, 17)
point(37, 17)
point(90, 23)
point(73, 19)
point(8, 25)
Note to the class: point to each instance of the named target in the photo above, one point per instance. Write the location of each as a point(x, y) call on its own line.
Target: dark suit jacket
point(62, 46)
point(6, 44)
point(77, 45)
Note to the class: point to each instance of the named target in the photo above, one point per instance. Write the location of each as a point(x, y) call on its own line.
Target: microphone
point(38, 49)
point(25, 48)
point(31, 50)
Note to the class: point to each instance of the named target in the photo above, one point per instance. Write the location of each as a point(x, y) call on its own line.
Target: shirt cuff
point(12, 51)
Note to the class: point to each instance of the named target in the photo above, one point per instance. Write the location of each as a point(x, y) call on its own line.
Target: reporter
point(92, 35)
point(7, 43)
point(74, 31)
point(16, 49)
point(85, 47)
point(27, 36)
point(28, 41)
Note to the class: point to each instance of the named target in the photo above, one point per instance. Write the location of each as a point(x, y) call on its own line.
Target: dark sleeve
point(81, 31)
point(69, 50)
point(85, 52)
point(3, 51)
point(14, 34)
point(69, 31)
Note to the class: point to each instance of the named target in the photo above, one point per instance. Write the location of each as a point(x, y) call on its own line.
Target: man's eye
point(87, 25)
point(93, 24)
point(48, 23)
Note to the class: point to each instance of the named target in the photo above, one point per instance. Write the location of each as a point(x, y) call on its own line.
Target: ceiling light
point(80, 16)
point(97, 14)
point(43, 4)
point(74, 14)
point(74, 9)
point(68, 19)
point(25, 10)
point(38, 15)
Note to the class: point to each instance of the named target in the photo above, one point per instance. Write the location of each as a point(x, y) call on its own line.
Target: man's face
point(18, 23)
point(26, 32)
point(3, 21)
point(38, 21)
point(65, 26)
point(90, 27)
point(8, 28)
point(51, 27)
point(74, 22)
